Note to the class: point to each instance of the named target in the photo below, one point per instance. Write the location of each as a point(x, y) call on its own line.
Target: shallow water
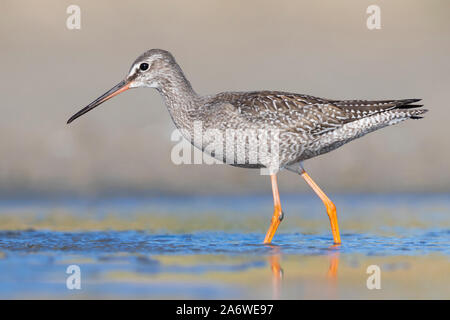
point(210, 247)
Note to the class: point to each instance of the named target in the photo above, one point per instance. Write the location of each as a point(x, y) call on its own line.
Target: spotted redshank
point(306, 126)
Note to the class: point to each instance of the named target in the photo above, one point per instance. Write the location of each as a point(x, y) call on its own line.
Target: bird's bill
point(119, 88)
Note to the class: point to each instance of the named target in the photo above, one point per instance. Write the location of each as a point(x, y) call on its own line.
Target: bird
point(297, 127)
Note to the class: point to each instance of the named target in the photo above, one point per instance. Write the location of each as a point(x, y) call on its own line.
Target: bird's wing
point(307, 114)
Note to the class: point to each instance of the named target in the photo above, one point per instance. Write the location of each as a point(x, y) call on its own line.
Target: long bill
point(119, 88)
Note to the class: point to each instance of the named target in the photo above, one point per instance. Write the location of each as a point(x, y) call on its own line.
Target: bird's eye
point(143, 66)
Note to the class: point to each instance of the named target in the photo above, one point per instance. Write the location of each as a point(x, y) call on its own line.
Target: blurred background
point(103, 193)
point(320, 48)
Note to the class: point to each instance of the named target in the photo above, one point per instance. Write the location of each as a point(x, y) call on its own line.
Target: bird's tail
point(367, 116)
point(408, 109)
point(358, 109)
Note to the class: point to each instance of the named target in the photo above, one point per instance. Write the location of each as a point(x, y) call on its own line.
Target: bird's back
point(308, 125)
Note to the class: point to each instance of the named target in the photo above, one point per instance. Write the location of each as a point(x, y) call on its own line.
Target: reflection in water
point(277, 271)
point(334, 263)
point(332, 272)
point(277, 275)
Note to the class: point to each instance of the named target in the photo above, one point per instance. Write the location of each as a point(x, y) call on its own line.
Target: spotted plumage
point(309, 126)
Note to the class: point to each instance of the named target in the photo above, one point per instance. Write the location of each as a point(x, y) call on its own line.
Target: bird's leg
point(331, 208)
point(277, 212)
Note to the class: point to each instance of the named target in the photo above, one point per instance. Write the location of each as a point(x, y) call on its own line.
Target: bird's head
point(154, 68)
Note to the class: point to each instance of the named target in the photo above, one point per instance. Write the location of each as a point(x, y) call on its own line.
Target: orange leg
point(277, 212)
point(331, 208)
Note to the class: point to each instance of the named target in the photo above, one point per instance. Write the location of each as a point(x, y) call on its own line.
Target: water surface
point(211, 247)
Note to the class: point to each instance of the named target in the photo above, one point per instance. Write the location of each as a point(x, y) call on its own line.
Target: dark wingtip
point(409, 104)
point(405, 102)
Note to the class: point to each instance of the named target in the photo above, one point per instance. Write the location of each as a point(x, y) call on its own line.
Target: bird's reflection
point(334, 263)
point(331, 288)
point(277, 271)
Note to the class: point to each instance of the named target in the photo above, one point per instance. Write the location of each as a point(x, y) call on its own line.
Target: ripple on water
point(220, 243)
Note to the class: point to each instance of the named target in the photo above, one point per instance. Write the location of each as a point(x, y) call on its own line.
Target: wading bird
point(307, 126)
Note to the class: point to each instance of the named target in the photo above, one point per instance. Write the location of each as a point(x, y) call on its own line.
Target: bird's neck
point(180, 98)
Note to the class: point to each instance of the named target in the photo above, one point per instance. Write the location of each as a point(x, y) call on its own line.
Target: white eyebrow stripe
point(132, 70)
